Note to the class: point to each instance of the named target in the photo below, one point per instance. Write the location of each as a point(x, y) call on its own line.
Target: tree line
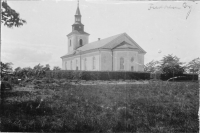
point(25, 73)
point(171, 64)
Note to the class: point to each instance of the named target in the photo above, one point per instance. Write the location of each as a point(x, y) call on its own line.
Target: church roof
point(112, 42)
point(77, 32)
point(98, 44)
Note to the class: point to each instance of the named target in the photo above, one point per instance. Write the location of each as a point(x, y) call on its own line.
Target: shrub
point(97, 75)
point(180, 77)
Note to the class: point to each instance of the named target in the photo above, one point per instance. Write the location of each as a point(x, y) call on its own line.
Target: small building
point(116, 53)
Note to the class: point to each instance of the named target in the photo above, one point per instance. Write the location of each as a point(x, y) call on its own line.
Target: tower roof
point(78, 10)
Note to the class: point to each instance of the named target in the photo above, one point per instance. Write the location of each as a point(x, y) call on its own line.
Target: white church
point(116, 53)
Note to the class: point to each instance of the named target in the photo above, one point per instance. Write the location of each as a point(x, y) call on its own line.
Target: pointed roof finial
point(77, 10)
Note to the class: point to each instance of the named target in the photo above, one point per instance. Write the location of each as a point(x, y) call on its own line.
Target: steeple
point(78, 37)
point(78, 26)
point(77, 10)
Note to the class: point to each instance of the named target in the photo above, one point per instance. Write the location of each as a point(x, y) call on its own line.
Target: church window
point(94, 62)
point(132, 59)
point(70, 42)
point(81, 42)
point(65, 65)
point(85, 64)
point(76, 64)
point(71, 64)
point(121, 63)
point(132, 68)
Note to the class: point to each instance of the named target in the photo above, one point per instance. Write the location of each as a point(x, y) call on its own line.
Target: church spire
point(78, 25)
point(78, 10)
point(78, 37)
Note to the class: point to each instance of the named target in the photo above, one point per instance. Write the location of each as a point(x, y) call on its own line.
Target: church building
point(116, 53)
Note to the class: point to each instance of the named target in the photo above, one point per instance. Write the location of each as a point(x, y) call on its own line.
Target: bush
point(180, 77)
point(97, 75)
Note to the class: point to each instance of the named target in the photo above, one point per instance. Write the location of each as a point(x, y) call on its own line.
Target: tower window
point(77, 19)
point(70, 42)
point(81, 42)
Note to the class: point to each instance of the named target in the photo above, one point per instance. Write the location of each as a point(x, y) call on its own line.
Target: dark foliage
point(179, 77)
point(9, 17)
point(97, 75)
point(171, 65)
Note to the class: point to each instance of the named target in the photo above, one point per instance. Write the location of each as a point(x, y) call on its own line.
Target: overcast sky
point(168, 27)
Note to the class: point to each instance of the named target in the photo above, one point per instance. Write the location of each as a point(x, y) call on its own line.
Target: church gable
point(122, 40)
point(125, 45)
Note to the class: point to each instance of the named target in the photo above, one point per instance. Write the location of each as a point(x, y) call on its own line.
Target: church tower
point(78, 37)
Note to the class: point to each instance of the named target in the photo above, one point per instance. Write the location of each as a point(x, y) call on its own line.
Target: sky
point(160, 28)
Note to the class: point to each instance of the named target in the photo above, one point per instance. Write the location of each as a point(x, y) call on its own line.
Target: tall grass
point(153, 107)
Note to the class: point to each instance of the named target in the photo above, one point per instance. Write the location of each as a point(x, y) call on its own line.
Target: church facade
point(116, 53)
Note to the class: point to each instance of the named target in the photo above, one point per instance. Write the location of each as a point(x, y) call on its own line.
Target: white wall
point(127, 55)
point(138, 62)
point(89, 64)
point(106, 60)
point(141, 62)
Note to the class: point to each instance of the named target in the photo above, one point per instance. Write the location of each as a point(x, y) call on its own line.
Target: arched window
point(94, 62)
point(65, 65)
point(81, 42)
point(71, 64)
point(85, 64)
point(76, 64)
point(132, 59)
point(121, 63)
point(70, 42)
point(132, 68)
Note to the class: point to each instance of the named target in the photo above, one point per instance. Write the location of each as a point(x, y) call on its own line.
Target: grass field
point(56, 106)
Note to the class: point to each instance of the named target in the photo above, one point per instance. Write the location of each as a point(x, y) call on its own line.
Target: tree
point(55, 68)
point(9, 17)
point(194, 66)
point(152, 66)
point(18, 72)
point(170, 65)
point(47, 67)
point(38, 70)
point(6, 69)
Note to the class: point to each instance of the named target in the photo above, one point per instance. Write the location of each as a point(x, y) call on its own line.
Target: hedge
point(180, 77)
point(98, 75)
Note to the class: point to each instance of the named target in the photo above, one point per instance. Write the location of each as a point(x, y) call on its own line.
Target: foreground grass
point(58, 107)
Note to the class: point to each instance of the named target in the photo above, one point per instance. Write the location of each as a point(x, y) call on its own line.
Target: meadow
point(51, 105)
